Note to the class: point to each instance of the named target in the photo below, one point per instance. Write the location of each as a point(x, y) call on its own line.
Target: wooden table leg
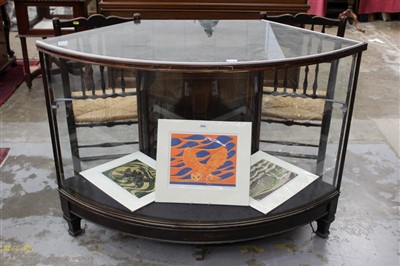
point(28, 77)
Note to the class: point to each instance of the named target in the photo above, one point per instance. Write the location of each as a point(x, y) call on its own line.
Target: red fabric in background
point(10, 80)
point(318, 7)
point(378, 6)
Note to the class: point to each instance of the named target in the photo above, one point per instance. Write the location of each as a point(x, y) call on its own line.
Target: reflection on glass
point(208, 26)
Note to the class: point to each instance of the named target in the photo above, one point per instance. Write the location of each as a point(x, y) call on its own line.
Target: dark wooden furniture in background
point(6, 54)
point(34, 20)
point(200, 9)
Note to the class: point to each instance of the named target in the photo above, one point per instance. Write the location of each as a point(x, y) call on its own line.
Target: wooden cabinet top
point(205, 9)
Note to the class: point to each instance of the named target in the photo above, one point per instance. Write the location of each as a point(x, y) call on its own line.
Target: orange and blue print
point(198, 159)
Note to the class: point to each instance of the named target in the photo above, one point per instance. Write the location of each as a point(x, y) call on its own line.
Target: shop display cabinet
point(199, 70)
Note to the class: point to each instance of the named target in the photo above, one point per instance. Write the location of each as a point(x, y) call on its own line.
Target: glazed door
point(196, 96)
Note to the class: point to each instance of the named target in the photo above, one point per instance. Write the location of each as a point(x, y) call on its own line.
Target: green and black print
point(266, 177)
point(136, 177)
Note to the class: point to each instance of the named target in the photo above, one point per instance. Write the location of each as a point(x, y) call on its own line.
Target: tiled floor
point(366, 230)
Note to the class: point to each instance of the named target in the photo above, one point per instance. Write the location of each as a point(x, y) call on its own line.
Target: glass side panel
point(304, 111)
point(201, 42)
point(85, 97)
